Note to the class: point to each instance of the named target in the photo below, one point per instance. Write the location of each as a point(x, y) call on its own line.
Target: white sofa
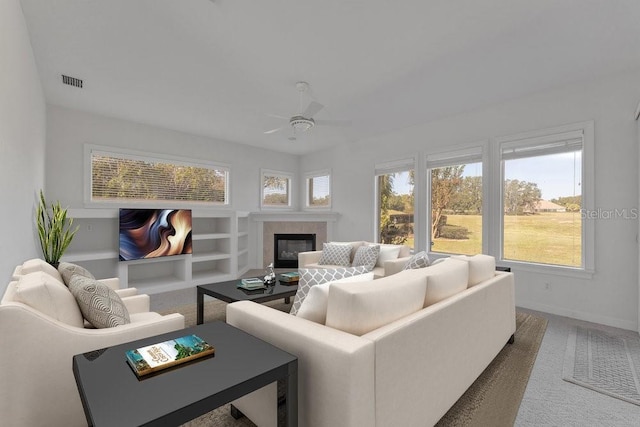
point(384, 267)
point(40, 334)
point(398, 365)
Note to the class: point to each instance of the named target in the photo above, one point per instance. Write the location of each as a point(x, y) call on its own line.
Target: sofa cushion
point(335, 254)
point(358, 308)
point(46, 294)
point(366, 255)
point(387, 253)
point(481, 267)
point(99, 304)
point(418, 260)
point(68, 270)
point(314, 306)
point(34, 265)
point(313, 277)
point(445, 279)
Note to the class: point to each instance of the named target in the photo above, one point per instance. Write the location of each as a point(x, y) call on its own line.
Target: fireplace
point(287, 246)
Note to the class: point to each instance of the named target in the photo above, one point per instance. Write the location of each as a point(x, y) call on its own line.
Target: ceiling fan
point(304, 121)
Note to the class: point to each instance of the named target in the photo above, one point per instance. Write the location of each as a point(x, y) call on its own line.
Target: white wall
point(22, 140)
point(611, 295)
point(68, 130)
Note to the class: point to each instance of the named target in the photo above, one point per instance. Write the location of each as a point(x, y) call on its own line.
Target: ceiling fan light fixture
point(301, 124)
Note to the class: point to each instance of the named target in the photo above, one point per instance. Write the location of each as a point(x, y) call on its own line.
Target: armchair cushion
point(67, 270)
point(46, 294)
point(387, 253)
point(312, 277)
point(99, 304)
point(35, 265)
point(335, 254)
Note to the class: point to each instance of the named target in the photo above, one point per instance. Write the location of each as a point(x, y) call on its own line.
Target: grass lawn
point(547, 237)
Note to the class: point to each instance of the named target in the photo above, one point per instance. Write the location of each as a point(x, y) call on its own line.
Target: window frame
point(395, 166)
point(280, 174)
point(307, 196)
point(457, 155)
point(539, 137)
point(117, 152)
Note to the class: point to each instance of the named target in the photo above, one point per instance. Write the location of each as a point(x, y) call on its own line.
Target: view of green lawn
point(546, 237)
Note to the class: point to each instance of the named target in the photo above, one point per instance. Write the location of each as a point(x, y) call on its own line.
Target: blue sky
point(557, 175)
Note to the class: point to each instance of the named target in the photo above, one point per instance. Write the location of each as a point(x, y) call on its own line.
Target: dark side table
point(112, 395)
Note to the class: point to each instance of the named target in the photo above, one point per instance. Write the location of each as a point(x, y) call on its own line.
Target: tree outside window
point(396, 208)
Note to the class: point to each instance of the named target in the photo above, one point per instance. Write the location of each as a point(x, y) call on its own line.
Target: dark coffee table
point(229, 292)
point(112, 395)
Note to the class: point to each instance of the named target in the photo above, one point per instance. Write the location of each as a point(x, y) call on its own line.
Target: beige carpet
point(492, 400)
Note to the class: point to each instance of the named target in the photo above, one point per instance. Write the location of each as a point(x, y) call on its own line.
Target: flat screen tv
point(151, 233)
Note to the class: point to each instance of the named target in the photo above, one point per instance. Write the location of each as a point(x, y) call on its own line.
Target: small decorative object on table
point(152, 358)
point(270, 278)
point(252, 283)
point(291, 278)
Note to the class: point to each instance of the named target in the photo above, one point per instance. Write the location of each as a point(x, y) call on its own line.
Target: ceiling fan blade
point(333, 122)
point(272, 131)
point(312, 109)
point(277, 116)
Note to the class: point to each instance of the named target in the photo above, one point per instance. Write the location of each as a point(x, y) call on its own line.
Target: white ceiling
point(218, 67)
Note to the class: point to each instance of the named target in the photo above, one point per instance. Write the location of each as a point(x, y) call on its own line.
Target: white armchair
point(40, 333)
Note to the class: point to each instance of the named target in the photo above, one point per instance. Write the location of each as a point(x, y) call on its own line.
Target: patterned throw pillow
point(367, 256)
point(418, 260)
point(335, 254)
point(99, 304)
point(68, 270)
point(312, 277)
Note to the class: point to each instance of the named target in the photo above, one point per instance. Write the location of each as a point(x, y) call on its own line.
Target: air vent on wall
point(71, 81)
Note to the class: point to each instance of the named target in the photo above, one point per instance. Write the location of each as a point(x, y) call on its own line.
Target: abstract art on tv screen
point(151, 233)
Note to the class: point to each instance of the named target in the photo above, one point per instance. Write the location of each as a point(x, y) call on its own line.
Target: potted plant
point(54, 230)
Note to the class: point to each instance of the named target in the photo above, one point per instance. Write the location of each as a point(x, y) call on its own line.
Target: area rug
point(493, 399)
point(606, 362)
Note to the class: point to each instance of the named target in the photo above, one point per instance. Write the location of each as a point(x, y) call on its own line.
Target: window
point(395, 202)
point(123, 175)
point(542, 198)
point(455, 200)
point(276, 189)
point(318, 190)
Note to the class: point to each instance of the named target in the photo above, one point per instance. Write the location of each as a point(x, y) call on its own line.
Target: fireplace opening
point(287, 246)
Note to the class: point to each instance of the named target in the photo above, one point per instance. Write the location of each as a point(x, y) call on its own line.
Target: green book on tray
point(293, 276)
point(156, 357)
point(252, 283)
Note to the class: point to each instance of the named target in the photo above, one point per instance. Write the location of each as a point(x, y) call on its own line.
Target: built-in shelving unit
point(220, 251)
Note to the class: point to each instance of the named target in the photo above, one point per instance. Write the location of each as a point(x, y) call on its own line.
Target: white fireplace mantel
point(297, 216)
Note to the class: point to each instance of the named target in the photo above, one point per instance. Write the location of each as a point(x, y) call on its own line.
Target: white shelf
point(220, 251)
point(211, 236)
point(90, 256)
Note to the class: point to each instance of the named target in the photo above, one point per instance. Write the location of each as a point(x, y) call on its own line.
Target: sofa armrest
point(306, 258)
point(112, 282)
point(335, 369)
point(137, 303)
point(395, 265)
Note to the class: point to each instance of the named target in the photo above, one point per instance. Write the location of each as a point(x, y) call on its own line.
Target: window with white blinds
point(137, 177)
point(318, 190)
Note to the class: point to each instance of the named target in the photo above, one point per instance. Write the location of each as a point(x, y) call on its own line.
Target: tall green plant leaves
point(54, 230)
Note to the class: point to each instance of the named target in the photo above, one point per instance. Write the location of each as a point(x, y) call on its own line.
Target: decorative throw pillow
point(418, 260)
point(367, 256)
point(314, 306)
point(387, 253)
point(312, 277)
point(99, 304)
point(335, 254)
point(68, 270)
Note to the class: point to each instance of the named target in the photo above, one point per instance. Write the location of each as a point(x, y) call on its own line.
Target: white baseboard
point(588, 317)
